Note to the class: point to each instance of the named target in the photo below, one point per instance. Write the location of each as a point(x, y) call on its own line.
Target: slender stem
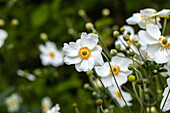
point(108, 92)
point(98, 109)
point(116, 81)
point(166, 99)
point(101, 107)
point(77, 110)
point(164, 26)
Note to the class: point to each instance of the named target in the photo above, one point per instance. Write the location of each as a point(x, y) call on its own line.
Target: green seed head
point(131, 78)
point(99, 102)
point(164, 41)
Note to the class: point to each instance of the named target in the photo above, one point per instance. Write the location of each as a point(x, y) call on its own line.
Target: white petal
point(42, 48)
point(50, 44)
point(151, 49)
point(77, 66)
point(71, 50)
point(168, 82)
point(143, 35)
point(121, 78)
point(147, 11)
point(89, 40)
point(153, 30)
point(98, 59)
point(103, 71)
point(107, 81)
point(31, 77)
point(20, 72)
point(87, 65)
point(134, 19)
point(161, 56)
point(45, 60)
point(163, 12)
point(3, 36)
point(72, 60)
point(124, 64)
point(128, 29)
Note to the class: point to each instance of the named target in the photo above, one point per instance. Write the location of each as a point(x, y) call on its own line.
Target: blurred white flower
point(117, 95)
point(120, 70)
point(84, 53)
point(51, 55)
point(46, 104)
point(3, 36)
point(165, 94)
point(54, 109)
point(144, 17)
point(158, 47)
point(13, 102)
point(25, 73)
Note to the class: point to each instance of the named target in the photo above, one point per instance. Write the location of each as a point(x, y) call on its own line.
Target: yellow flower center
point(118, 94)
point(116, 69)
point(142, 16)
point(45, 106)
point(155, 12)
point(51, 54)
point(84, 52)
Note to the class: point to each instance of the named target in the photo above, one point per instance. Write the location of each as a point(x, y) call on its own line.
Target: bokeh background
point(60, 20)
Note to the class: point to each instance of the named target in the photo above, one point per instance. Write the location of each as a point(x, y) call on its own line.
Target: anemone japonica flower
point(3, 36)
point(120, 70)
point(84, 53)
point(166, 107)
point(54, 109)
point(25, 73)
point(46, 104)
point(158, 47)
point(117, 95)
point(132, 37)
point(146, 16)
point(13, 102)
point(51, 55)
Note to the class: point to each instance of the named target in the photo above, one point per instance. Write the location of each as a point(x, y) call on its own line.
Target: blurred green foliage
point(63, 84)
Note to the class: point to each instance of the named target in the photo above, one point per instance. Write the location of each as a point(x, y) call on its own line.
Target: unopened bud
point(14, 22)
point(126, 37)
point(94, 93)
point(89, 26)
point(81, 12)
point(118, 46)
point(122, 29)
point(105, 12)
point(43, 36)
point(99, 102)
point(74, 105)
point(131, 78)
point(116, 34)
point(153, 109)
point(155, 71)
point(2, 22)
point(113, 52)
point(86, 85)
point(106, 111)
point(130, 67)
point(89, 73)
point(131, 53)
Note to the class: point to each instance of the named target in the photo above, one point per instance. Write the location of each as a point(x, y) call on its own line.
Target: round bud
point(130, 67)
point(131, 78)
point(14, 22)
point(74, 105)
point(111, 106)
point(131, 53)
point(2, 22)
point(99, 102)
point(145, 80)
point(86, 85)
point(43, 36)
point(153, 109)
point(126, 37)
point(94, 93)
point(139, 45)
point(122, 29)
point(89, 26)
point(89, 73)
point(164, 41)
point(81, 12)
point(118, 46)
point(146, 90)
point(115, 27)
point(166, 17)
point(127, 47)
point(106, 111)
point(116, 34)
point(155, 71)
point(139, 82)
point(113, 52)
point(105, 12)
point(37, 72)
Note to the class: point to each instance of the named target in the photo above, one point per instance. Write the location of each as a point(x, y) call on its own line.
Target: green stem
point(166, 99)
point(101, 107)
point(164, 26)
point(98, 109)
point(77, 110)
point(116, 81)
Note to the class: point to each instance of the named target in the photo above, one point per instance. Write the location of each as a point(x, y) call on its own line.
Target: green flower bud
point(155, 71)
point(43, 36)
point(116, 34)
point(2, 22)
point(126, 37)
point(122, 29)
point(89, 73)
point(111, 106)
point(94, 93)
point(115, 27)
point(131, 78)
point(106, 111)
point(89, 26)
point(81, 12)
point(130, 67)
point(99, 102)
point(127, 47)
point(164, 41)
point(94, 31)
point(113, 52)
point(153, 109)
point(139, 82)
point(118, 46)
point(131, 53)
point(105, 12)
point(74, 105)
point(14, 22)
point(86, 85)
point(166, 17)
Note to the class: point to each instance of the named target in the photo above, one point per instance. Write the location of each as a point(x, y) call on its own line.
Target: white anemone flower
point(145, 16)
point(50, 55)
point(3, 36)
point(54, 109)
point(13, 102)
point(165, 94)
point(84, 53)
point(25, 73)
point(158, 47)
point(46, 104)
point(117, 95)
point(120, 71)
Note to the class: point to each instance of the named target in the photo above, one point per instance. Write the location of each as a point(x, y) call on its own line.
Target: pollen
point(118, 94)
point(51, 54)
point(45, 106)
point(155, 12)
point(160, 39)
point(84, 52)
point(116, 69)
point(142, 16)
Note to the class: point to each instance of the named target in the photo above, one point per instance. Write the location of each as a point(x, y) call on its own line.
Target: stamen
point(51, 54)
point(142, 16)
point(118, 94)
